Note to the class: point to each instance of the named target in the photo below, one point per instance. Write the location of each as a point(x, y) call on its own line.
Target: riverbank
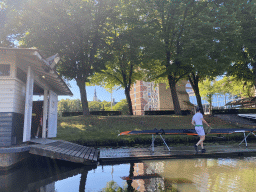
point(98, 131)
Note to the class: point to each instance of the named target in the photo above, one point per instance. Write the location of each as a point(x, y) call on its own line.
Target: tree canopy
point(125, 46)
point(207, 89)
point(185, 42)
point(243, 66)
point(77, 30)
point(113, 43)
point(233, 86)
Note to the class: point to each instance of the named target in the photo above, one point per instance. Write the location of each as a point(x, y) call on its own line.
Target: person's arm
point(193, 122)
point(205, 122)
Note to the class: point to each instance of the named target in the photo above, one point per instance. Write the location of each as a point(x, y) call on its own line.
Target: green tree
point(212, 48)
point(122, 106)
point(232, 86)
point(68, 105)
point(2, 23)
point(75, 29)
point(75, 105)
point(113, 187)
point(243, 66)
point(6, 34)
point(125, 46)
point(207, 89)
point(63, 106)
point(95, 106)
point(227, 85)
point(100, 106)
point(106, 106)
point(179, 31)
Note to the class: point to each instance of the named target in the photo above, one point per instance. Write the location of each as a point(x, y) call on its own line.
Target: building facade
point(148, 96)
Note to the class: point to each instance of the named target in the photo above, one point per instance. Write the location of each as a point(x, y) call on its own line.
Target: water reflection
point(193, 175)
point(46, 175)
point(39, 174)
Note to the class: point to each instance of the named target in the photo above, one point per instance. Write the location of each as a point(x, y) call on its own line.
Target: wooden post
point(45, 113)
point(28, 106)
point(52, 118)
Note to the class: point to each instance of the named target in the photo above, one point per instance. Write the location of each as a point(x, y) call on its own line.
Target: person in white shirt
point(198, 121)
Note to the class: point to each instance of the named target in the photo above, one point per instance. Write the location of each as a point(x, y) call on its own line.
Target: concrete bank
point(11, 156)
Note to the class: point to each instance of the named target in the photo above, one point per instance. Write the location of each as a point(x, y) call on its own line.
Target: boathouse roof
point(243, 102)
point(43, 67)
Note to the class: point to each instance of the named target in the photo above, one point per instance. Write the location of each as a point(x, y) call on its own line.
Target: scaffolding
point(151, 95)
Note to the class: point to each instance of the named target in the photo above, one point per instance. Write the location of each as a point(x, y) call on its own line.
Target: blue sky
point(118, 95)
point(102, 94)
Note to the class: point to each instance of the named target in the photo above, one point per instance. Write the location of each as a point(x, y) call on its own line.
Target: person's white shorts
point(200, 131)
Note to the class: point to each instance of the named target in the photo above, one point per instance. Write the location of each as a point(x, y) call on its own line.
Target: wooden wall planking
point(6, 129)
point(12, 96)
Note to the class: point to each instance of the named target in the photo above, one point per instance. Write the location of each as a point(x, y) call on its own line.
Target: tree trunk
point(210, 104)
point(254, 72)
point(175, 99)
point(81, 85)
point(194, 79)
point(199, 100)
point(131, 175)
point(128, 99)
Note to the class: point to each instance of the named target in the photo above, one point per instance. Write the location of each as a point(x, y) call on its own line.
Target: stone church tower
point(95, 98)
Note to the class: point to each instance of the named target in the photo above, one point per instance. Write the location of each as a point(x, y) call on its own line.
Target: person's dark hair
point(198, 109)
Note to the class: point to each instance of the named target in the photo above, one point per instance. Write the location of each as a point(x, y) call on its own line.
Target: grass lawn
point(103, 130)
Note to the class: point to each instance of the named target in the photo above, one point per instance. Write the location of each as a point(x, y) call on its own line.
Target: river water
point(40, 174)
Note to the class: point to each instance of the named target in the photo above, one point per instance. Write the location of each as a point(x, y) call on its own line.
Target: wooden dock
point(64, 150)
point(127, 154)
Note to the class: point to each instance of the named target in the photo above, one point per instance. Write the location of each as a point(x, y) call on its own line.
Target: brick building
point(146, 96)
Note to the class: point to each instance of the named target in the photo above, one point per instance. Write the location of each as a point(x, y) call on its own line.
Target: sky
point(118, 95)
point(102, 94)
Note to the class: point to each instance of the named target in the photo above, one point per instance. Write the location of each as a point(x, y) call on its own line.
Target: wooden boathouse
point(25, 73)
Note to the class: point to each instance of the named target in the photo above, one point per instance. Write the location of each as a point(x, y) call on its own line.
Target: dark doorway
point(37, 118)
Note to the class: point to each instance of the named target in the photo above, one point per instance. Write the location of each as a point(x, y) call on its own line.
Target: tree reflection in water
point(129, 182)
point(143, 177)
point(41, 174)
point(82, 184)
point(202, 174)
point(113, 187)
